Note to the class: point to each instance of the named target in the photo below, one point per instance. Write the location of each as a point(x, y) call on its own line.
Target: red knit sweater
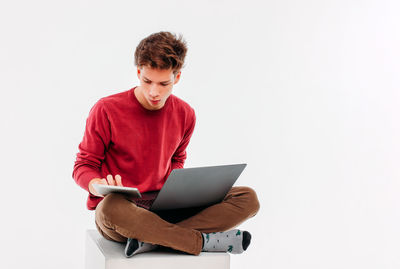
point(143, 146)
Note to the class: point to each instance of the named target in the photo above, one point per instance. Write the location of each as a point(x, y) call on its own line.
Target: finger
point(110, 180)
point(92, 189)
point(118, 179)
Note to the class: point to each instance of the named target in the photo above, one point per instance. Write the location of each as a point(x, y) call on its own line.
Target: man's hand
point(117, 181)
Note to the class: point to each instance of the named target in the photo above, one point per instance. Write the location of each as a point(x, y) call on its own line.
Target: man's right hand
point(117, 181)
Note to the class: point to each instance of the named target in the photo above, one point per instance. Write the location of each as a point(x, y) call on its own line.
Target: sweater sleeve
point(92, 149)
point(179, 157)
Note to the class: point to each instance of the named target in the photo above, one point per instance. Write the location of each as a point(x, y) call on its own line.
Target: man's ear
point(177, 77)
point(138, 73)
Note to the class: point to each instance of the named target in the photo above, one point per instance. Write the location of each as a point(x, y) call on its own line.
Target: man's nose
point(154, 91)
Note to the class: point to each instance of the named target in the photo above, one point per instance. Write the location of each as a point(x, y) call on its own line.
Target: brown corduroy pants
point(118, 218)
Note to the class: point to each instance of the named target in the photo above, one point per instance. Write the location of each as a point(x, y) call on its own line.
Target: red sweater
point(143, 146)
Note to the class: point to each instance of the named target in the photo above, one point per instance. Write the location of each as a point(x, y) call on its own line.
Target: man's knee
point(111, 207)
point(252, 203)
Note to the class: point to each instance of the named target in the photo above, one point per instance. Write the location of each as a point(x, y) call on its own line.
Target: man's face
point(155, 86)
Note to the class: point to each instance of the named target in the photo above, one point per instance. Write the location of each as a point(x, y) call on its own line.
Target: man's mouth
point(154, 102)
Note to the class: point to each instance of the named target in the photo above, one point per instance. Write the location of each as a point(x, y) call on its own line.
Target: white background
point(306, 92)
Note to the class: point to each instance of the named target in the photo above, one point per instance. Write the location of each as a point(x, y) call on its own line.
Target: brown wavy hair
point(162, 50)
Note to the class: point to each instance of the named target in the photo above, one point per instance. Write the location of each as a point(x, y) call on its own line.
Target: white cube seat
point(105, 254)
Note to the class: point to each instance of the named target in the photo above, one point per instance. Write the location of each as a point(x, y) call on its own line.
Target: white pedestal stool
point(105, 254)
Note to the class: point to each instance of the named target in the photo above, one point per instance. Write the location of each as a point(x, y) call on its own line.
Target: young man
point(136, 138)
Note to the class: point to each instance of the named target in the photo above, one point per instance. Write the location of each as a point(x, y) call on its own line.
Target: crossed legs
point(118, 218)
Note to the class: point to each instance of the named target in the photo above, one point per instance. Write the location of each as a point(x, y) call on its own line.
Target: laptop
point(192, 187)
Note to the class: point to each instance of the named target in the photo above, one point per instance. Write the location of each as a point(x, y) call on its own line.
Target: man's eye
point(148, 82)
point(164, 84)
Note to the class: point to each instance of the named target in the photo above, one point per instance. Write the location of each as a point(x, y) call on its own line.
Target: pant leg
point(238, 205)
point(118, 218)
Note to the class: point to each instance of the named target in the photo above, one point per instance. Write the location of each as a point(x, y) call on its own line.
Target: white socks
point(233, 241)
point(134, 246)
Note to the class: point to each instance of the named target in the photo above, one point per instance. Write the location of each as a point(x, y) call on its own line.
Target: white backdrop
point(306, 92)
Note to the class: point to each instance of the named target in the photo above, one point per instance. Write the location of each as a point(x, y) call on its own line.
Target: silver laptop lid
point(199, 186)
